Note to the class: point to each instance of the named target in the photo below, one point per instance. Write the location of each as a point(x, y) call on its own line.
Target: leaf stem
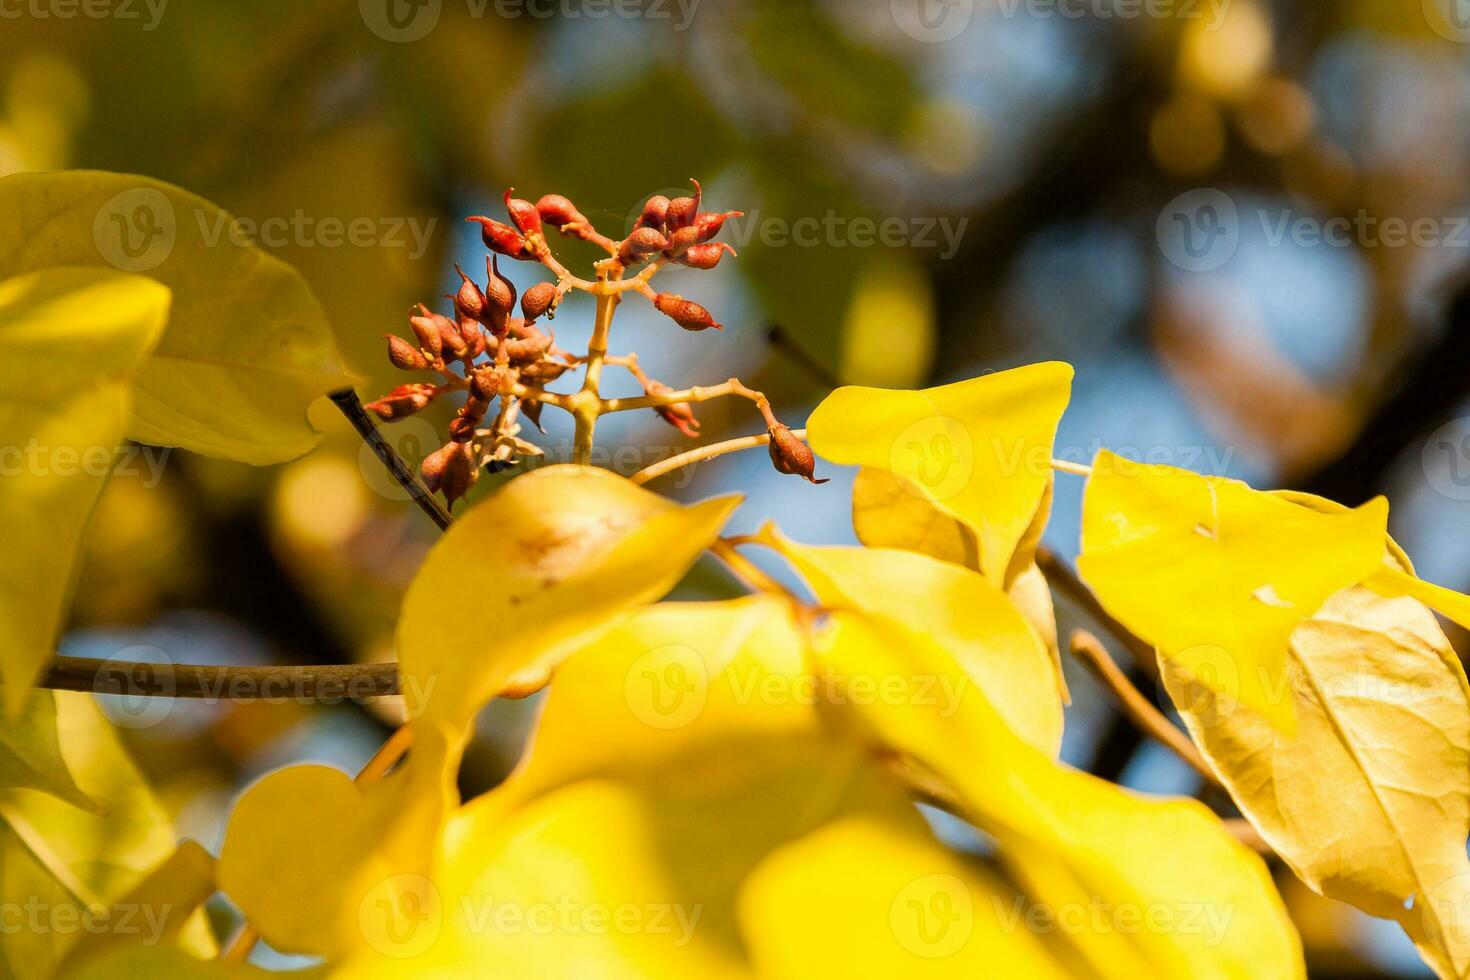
point(704, 454)
point(1094, 656)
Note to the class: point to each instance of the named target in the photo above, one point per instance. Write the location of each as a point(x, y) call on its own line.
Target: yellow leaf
point(864, 897)
point(546, 563)
point(1076, 842)
point(1398, 582)
point(1216, 575)
point(97, 859)
point(71, 338)
point(30, 755)
point(247, 347)
point(670, 676)
point(888, 334)
point(360, 837)
point(154, 912)
point(978, 450)
point(985, 635)
point(1370, 802)
point(888, 514)
point(885, 515)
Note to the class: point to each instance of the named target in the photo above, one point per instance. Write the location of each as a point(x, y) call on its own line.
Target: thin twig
point(705, 453)
point(1089, 649)
point(347, 401)
point(223, 682)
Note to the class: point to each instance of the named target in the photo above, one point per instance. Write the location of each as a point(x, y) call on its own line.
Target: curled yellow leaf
point(978, 450)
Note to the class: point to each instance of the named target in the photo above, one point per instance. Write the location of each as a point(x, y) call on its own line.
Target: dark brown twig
point(347, 401)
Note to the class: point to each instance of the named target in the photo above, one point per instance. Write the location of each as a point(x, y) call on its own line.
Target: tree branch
point(347, 401)
point(222, 682)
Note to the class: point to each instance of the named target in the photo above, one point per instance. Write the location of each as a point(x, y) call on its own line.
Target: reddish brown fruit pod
point(682, 241)
point(655, 211)
point(469, 301)
point(684, 210)
point(706, 256)
point(451, 470)
point(462, 429)
point(401, 402)
point(559, 211)
point(485, 383)
point(523, 213)
point(501, 238)
point(538, 299)
point(500, 297)
point(709, 225)
point(404, 355)
point(687, 314)
point(427, 333)
point(792, 456)
point(644, 241)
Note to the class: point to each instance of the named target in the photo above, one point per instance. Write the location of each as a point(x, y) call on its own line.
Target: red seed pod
point(450, 338)
point(451, 470)
point(474, 339)
point(684, 210)
point(462, 429)
point(427, 333)
point(687, 314)
point(469, 302)
point(644, 241)
point(523, 213)
point(538, 299)
point(501, 237)
point(401, 402)
point(790, 455)
point(544, 371)
point(485, 383)
point(559, 211)
point(706, 256)
point(680, 414)
point(655, 209)
point(527, 349)
point(682, 241)
point(405, 355)
point(709, 223)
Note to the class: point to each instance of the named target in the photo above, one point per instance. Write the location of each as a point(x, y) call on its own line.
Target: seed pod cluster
point(496, 364)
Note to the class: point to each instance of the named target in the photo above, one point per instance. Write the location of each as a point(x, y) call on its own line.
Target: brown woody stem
point(1094, 656)
point(348, 403)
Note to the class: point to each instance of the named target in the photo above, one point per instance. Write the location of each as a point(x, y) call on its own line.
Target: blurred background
point(1244, 222)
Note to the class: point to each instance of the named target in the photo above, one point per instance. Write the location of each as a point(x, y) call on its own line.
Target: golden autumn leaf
point(959, 610)
point(1355, 812)
point(1077, 842)
point(645, 852)
point(247, 347)
point(978, 450)
point(1215, 574)
point(30, 754)
point(63, 418)
point(84, 859)
point(362, 836)
point(885, 515)
point(544, 564)
point(865, 896)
